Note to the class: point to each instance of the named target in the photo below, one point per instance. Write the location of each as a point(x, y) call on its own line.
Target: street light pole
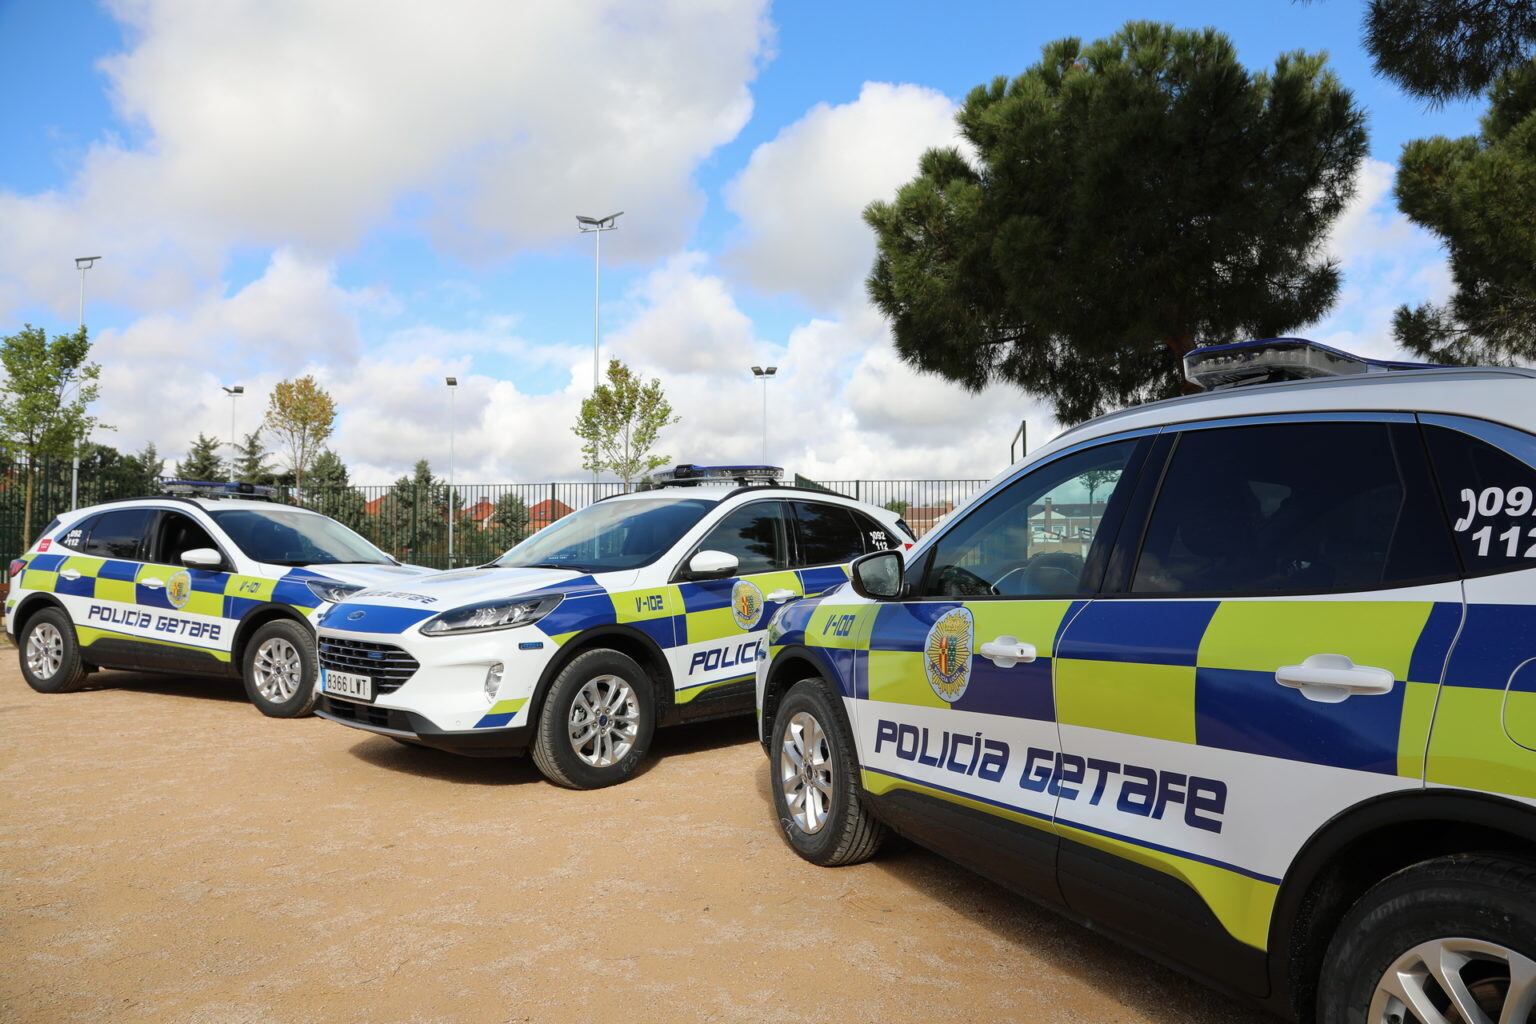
point(765, 375)
point(234, 391)
point(82, 264)
point(595, 226)
point(453, 385)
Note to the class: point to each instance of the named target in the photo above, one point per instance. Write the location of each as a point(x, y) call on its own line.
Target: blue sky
point(378, 200)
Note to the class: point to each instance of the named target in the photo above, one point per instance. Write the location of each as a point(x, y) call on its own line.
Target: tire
point(1481, 907)
point(59, 668)
point(266, 667)
point(847, 832)
point(608, 697)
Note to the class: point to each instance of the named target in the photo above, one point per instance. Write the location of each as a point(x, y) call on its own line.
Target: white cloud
point(801, 196)
point(302, 125)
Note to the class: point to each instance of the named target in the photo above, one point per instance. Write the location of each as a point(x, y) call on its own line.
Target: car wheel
point(50, 653)
point(596, 723)
point(280, 669)
point(815, 781)
point(1448, 941)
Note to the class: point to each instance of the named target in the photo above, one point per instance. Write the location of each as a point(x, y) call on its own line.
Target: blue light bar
point(1278, 359)
point(688, 474)
point(217, 489)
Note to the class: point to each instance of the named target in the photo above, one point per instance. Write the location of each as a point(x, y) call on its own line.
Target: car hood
point(445, 591)
point(361, 574)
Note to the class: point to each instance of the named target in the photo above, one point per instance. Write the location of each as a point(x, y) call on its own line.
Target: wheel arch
point(627, 641)
point(31, 605)
point(792, 664)
point(1363, 845)
point(254, 620)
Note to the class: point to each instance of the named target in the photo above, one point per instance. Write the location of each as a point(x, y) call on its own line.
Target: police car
point(638, 610)
point(206, 579)
point(1246, 679)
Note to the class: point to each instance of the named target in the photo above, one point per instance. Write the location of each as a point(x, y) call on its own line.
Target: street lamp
point(595, 226)
point(765, 375)
point(82, 264)
point(234, 391)
point(453, 385)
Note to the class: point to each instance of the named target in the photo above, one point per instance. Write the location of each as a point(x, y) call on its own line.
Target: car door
point(188, 603)
point(726, 618)
point(956, 724)
point(1269, 656)
point(107, 614)
point(827, 538)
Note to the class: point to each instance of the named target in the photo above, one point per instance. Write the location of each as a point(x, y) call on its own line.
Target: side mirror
point(712, 564)
point(202, 558)
point(878, 576)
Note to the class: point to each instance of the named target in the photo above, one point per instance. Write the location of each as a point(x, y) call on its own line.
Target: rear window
point(829, 534)
point(116, 534)
point(1490, 499)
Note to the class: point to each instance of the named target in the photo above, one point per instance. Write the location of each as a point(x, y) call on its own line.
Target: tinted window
point(1490, 498)
point(828, 533)
point(876, 536)
point(118, 534)
point(284, 536)
point(1033, 538)
point(755, 534)
point(180, 533)
point(1294, 508)
point(610, 535)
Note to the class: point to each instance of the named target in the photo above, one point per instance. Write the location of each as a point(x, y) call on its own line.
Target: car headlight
point(478, 618)
point(331, 592)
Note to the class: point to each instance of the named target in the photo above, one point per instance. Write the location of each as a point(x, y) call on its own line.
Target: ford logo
point(355, 616)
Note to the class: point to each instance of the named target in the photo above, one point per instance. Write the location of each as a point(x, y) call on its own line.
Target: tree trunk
point(26, 514)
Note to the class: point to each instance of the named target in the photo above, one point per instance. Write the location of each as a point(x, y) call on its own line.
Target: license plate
point(345, 684)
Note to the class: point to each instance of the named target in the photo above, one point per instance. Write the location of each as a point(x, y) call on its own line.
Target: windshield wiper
point(542, 565)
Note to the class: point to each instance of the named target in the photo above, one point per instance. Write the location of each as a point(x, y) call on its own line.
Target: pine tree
point(1127, 201)
point(250, 462)
point(202, 461)
point(1449, 49)
point(328, 490)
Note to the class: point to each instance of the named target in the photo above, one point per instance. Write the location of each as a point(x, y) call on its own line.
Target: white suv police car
point(638, 610)
point(1246, 679)
point(196, 581)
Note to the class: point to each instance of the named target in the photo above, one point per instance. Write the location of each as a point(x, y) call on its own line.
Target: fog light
point(493, 682)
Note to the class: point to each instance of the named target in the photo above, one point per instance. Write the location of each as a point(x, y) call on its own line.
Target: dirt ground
point(168, 854)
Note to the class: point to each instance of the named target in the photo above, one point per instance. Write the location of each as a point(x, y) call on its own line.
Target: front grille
point(387, 665)
point(367, 714)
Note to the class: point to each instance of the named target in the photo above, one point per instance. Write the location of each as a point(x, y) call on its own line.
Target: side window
point(1036, 537)
point(180, 533)
point(876, 537)
point(755, 534)
point(1294, 508)
point(828, 534)
point(118, 534)
point(1490, 498)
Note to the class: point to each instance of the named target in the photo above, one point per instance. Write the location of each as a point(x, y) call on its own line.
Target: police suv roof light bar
point(1279, 359)
point(218, 489)
point(689, 475)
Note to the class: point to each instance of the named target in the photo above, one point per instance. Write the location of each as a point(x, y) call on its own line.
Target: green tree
point(203, 461)
point(508, 524)
point(898, 506)
point(620, 424)
point(148, 469)
point(1477, 193)
point(1449, 49)
point(301, 414)
point(1127, 201)
point(49, 385)
point(250, 461)
point(330, 492)
point(412, 520)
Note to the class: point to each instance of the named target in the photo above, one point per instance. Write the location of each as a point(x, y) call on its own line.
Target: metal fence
point(410, 519)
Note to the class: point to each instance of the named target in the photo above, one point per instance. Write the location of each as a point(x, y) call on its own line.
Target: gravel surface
point(168, 854)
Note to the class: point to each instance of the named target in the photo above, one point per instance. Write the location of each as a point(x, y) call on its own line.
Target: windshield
point(609, 536)
point(292, 537)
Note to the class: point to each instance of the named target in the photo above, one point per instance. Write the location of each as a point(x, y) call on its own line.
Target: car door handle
point(152, 583)
point(70, 574)
point(1331, 678)
point(781, 595)
point(1007, 651)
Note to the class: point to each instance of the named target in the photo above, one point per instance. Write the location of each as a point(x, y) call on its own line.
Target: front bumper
point(415, 728)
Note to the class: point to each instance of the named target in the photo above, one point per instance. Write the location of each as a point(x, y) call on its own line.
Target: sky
point(384, 194)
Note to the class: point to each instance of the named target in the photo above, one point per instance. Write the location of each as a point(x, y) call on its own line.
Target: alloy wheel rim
point(604, 721)
point(45, 650)
point(805, 772)
point(1456, 981)
point(278, 669)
